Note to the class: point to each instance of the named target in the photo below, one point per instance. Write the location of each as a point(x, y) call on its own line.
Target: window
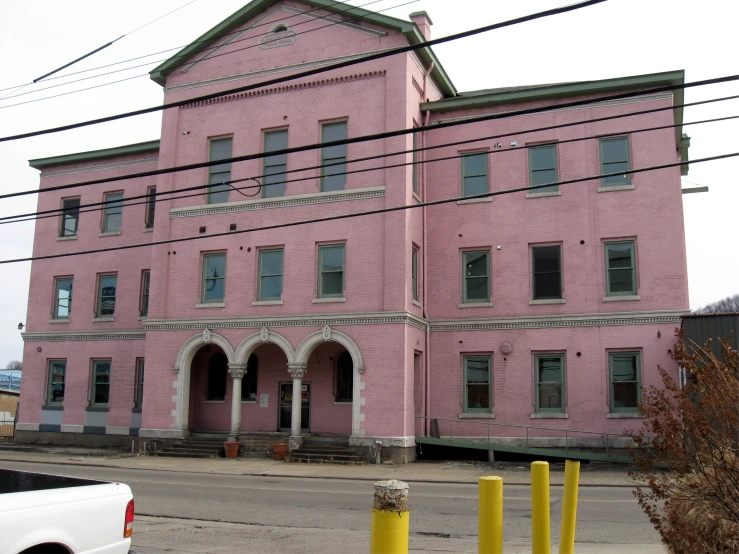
point(414, 272)
point(113, 212)
point(100, 392)
point(63, 297)
point(476, 272)
point(614, 157)
point(477, 383)
point(344, 378)
point(274, 166)
point(151, 204)
point(333, 177)
point(249, 383)
point(331, 270)
point(625, 377)
point(107, 285)
point(220, 174)
point(70, 217)
point(138, 395)
point(474, 173)
point(620, 268)
point(217, 374)
point(547, 270)
point(145, 279)
point(549, 374)
point(270, 274)
point(416, 155)
point(543, 167)
point(55, 386)
point(214, 277)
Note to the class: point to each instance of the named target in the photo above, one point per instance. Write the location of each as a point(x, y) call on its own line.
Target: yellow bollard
point(490, 516)
point(569, 508)
point(540, 508)
point(390, 518)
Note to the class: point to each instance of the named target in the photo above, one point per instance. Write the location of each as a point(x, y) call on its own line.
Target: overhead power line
point(376, 136)
point(369, 212)
point(347, 63)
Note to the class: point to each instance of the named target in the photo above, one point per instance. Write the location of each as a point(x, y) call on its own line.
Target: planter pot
point(279, 451)
point(232, 449)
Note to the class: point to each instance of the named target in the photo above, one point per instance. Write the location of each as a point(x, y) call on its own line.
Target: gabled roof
point(358, 15)
point(92, 155)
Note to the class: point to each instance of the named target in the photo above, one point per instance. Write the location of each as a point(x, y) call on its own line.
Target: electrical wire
point(371, 212)
point(324, 69)
point(377, 136)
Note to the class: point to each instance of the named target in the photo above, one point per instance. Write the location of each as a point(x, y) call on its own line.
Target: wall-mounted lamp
point(20, 326)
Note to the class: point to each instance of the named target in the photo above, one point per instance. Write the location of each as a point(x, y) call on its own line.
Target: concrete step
point(326, 452)
point(187, 454)
point(197, 446)
point(297, 457)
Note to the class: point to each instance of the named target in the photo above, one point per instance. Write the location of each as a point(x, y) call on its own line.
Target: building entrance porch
point(286, 407)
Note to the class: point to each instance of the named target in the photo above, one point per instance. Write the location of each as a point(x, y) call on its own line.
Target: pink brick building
point(555, 305)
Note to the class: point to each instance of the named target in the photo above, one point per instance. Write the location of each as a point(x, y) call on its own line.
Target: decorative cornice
point(283, 202)
point(99, 167)
point(133, 334)
point(287, 88)
point(418, 88)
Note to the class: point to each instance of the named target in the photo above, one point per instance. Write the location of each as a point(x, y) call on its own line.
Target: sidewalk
point(431, 472)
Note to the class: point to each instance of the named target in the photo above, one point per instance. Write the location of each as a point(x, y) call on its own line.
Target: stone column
point(297, 371)
point(237, 372)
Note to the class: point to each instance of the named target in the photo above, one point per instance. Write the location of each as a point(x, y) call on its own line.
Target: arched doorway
point(210, 390)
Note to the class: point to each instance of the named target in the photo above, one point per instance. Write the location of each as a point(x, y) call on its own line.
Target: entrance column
point(237, 372)
point(297, 371)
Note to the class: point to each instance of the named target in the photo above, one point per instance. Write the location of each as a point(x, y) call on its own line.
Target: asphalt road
point(195, 512)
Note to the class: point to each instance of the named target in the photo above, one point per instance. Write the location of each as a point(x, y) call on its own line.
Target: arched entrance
point(209, 390)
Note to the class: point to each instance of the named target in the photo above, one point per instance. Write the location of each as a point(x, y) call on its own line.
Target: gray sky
point(618, 38)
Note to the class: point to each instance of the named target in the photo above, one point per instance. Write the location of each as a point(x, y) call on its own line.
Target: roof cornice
point(92, 155)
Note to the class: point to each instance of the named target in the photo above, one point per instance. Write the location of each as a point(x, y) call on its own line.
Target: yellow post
point(540, 508)
point(490, 516)
point(569, 508)
point(390, 518)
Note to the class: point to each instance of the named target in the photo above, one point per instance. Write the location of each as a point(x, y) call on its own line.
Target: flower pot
point(279, 451)
point(232, 449)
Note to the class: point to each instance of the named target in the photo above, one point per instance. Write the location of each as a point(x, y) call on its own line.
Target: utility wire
point(299, 75)
point(371, 212)
point(190, 55)
point(376, 136)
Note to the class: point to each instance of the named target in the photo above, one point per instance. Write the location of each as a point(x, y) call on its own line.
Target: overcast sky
point(618, 38)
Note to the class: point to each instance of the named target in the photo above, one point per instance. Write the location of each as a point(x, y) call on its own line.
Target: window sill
point(248, 401)
point(544, 194)
point(96, 409)
point(148, 230)
point(59, 239)
point(211, 305)
point(267, 303)
point(110, 234)
point(624, 415)
point(103, 319)
point(142, 318)
point(547, 301)
point(60, 320)
point(329, 300)
point(614, 188)
point(549, 415)
point(214, 401)
point(417, 303)
point(481, 415)
point(53, 407)
point(475, 305)
point(624, 298)
point(415, 195)
point(475, 200)
point(347, 403)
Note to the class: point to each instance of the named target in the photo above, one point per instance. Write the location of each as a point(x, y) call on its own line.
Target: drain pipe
point(427, 353)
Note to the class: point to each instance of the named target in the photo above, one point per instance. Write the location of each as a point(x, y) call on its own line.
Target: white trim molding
point(403, 442)
point(252, 342)
point(99, 166)
point(133, 334)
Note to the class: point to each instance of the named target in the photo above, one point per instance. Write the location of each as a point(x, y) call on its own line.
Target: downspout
point(425, 76)
point(427, 356)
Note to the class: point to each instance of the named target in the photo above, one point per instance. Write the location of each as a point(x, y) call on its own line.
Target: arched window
point(279, 28)
point(344, 377)
point(249, 384)
point(217, 373)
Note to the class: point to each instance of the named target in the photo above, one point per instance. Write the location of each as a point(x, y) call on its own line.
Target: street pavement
point(204, 511)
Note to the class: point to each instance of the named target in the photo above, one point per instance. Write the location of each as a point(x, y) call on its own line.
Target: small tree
point(725, 305)
point(15, 366)
point(688, 478)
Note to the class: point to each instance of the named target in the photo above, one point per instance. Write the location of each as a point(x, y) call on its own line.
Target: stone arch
point(309, 343)
point(252, 342)
point(182, 369)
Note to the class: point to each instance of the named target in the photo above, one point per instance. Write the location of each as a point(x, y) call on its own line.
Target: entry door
point(286, 407)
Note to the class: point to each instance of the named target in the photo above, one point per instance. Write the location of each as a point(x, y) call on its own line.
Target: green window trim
point(549, 381)
point(70, 219)
point(471, 280)
point(414, 272)
point(219, 176)
point(151, 203)
point(62, 302)
point(55, 381)
point(324, 273)
point(472, 175)
point(611, 162)
point(270, 275)
point(113, 212)
point(211, 278)
point(620, 382)
point(144, 301)
point(631, 267)
point(480, 389)
point(274, 168)
point(546, 280)
point(138, 393)
point(100, 383)
point(543, 167)
point(333, 177)
point(107, 293)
